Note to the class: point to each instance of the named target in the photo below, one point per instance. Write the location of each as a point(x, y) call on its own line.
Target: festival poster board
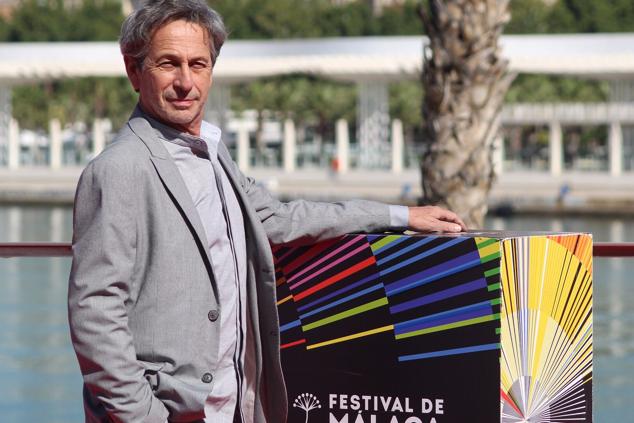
point(475, 327)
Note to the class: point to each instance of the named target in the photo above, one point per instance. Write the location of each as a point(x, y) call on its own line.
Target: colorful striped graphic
point(382, 280)
point(546, 329)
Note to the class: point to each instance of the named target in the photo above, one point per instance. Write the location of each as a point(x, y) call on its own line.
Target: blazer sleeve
point(100, 288)
point(305, 222)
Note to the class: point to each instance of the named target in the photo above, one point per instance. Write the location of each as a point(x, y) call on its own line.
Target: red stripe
point(292, 344)
point(312, 252)
point(510, 402)
point(336, 278)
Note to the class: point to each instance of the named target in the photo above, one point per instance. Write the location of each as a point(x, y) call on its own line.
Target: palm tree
point(465, 80)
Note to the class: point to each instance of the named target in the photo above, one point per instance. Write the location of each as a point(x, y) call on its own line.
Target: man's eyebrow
point(176, 57)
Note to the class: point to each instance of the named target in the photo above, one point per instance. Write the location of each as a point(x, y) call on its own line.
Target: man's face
point(175, 77)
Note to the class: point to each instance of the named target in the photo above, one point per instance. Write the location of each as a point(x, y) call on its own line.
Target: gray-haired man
point(172, 290)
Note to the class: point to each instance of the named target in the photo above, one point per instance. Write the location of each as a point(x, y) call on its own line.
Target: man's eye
point(199, 65)
point(166, 65)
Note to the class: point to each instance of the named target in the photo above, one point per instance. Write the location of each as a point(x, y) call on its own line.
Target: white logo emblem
point(306, 402)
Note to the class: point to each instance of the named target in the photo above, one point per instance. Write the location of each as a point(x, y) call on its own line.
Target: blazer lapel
point(172, 180)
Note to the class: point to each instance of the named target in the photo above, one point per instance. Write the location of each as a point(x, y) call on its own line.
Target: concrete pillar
point(14, 144)
point(622, 91)
point(342, 138)
point(290, 139)
point(5, 119)
point(374, 121)
point(55, 143)
point(556, 148)
point(615, 139)
point(397, 146)
point(218, 106)
point(498, 154)
point(98, 137)
point(242, 147)
point(15, 224)
point(57, 224)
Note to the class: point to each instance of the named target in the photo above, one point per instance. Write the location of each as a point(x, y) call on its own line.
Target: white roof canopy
point(604, 56)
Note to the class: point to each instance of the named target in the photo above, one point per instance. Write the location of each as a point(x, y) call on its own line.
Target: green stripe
point(490, 257)
point(487, 243)
point(491, 272)
point(498, 331)
point(384, 241)
point(344, 314)
point(493, 287)
point(496, 301)
point(454, 325)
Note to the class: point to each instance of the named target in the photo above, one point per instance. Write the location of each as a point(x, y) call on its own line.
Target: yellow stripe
point(489, 249)
point(283, 300)
point(349, 337)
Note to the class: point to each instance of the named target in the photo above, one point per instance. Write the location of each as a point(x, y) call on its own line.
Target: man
point(172, 290)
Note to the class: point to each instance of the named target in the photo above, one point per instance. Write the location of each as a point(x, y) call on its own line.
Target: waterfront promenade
point(522, 191)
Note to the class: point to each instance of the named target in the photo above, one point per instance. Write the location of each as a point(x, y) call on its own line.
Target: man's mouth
point(182, 103)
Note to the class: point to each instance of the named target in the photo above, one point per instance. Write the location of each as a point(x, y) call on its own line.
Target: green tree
point(40, 21)
point(400, 19)
point(592, 16)
point(81, 99)
point(548, 88)
point(4, 29)
point(528, 17)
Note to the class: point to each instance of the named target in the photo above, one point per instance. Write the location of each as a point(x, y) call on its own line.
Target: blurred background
point(321, 99)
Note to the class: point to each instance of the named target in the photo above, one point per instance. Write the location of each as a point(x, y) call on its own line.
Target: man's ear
point(133, 71)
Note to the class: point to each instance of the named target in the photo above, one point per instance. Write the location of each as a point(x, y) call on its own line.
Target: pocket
point(150, 372)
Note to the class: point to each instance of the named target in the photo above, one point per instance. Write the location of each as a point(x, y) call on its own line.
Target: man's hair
point(138, 28)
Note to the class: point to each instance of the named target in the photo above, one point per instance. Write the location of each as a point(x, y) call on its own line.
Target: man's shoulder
point(125, 153)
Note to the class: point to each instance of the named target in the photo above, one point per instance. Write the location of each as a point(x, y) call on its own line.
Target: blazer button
point(207, 378)
point(213, 315)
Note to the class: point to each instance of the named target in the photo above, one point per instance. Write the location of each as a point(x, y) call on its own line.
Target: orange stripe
point(336, 278)
point(293, 344)
point(283, 300)
point(280, 281)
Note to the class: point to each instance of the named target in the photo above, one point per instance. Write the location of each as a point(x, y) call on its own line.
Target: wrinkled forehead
point(181, 35)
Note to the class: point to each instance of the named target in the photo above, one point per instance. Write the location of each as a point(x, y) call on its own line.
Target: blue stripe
point(418, 257)
point(433, 277)
point(433, 270)
point(432, 317)
point(391, 244)
point(406, 249)
point(439, 296)
point(290, 325)
point(455, 351)
point(342, 300)
point(467, 315)
point(338, 292)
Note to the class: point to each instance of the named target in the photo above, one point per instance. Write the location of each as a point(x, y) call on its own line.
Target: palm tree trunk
point(465, 80)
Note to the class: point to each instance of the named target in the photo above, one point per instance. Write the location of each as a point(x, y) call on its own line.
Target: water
point(39, 376)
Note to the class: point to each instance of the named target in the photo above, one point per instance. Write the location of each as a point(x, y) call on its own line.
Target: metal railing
point(59, 249)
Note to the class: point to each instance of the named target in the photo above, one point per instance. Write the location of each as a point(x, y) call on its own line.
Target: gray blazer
point(142, 285)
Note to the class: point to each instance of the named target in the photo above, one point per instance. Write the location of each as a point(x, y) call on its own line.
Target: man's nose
point(183, 80)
